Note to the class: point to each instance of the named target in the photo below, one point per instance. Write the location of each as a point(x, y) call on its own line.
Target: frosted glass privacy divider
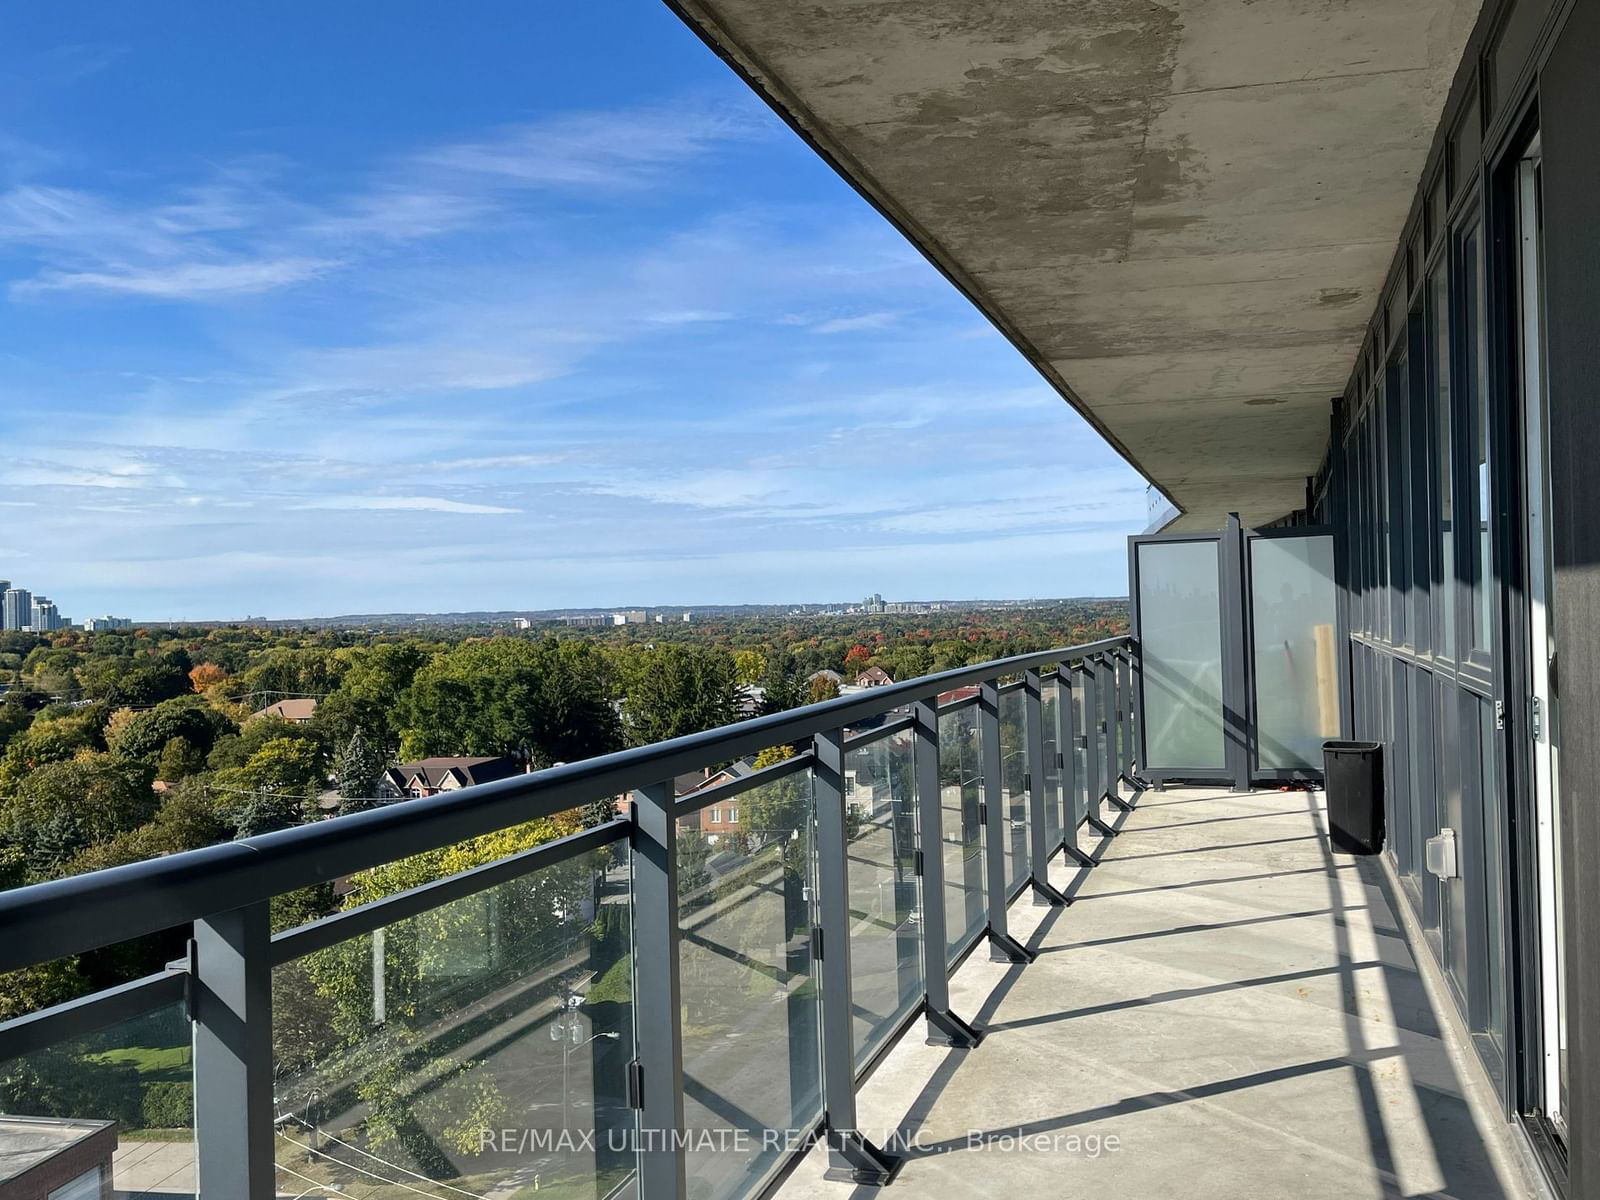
point(1180, 644)
point(1293, 613)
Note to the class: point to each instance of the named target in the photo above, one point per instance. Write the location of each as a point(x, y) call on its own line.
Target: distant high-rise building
point(45, 617)
point(16, 608)
point(100, 624)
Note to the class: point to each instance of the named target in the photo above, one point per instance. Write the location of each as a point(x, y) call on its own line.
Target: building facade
point(16, 608)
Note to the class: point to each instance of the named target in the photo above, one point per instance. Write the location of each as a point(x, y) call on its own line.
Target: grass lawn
point(169, 1064)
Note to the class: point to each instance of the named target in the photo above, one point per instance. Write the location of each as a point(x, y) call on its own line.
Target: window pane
point(1476, 376)
point(1180, 632)
point(1395, 402)
point(1445, 586)
point(1293, 605)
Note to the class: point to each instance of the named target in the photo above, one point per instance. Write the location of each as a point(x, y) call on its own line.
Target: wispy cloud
point(628, 149)
point(238, 232)
point(858, 324)
point(181, 281)
point(404, 504)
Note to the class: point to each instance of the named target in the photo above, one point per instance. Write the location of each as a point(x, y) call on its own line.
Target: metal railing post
point(851, 1157)
point(996, 838)
point(1067, 740)
point(944, 1027)
point(231, 959)
point(1039, 848)
point(657, 1074)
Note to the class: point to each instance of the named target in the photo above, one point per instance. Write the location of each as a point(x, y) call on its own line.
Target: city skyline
point(429, 330)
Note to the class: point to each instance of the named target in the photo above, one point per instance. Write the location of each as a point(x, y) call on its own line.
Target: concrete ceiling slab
point(1181, 212)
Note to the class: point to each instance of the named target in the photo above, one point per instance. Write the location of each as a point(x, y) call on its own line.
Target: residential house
point(300, 710)
point(430, 776)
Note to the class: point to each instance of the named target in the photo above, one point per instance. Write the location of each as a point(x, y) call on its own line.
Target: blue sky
point(406, 306)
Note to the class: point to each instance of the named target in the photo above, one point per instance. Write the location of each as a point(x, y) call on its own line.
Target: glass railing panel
point(1080, 753)
point(478, 1048)
point(751, 1057)
point(885, 946)
point(961, 792)
point(1050, 699)
point(1014, 796)
point(111, 1113)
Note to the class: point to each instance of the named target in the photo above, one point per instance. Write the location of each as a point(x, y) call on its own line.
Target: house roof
point(289, 710)
point(693, 781)
point(874, 675)
point(32, 1141)
point(467, 771)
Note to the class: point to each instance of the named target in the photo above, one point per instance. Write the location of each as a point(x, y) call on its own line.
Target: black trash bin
point(1353, 772)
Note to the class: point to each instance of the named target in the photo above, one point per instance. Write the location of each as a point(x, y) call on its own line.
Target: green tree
point(49, 739)
point(64, 807)
point(676, 689)
point(14, 719)
point(146, 734)
point(180, 758)
point(267, 810)
point(782, 685)
point(500, 695)
point(287, 765)
point(234, 750)
point(186, 820)
point(358, 768)
point(369, 692)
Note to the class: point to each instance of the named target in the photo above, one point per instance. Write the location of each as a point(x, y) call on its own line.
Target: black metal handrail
point(52, 920)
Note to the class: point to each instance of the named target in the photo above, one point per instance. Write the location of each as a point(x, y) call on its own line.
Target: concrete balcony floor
point(1226, 1010)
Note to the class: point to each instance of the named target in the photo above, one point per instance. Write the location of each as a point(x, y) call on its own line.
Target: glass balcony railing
point(673, 1003)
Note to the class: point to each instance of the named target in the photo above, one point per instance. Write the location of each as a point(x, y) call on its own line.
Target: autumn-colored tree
point(206, 676)
point(773, 755)
point(749, 666)
point(822, 688)
point(855, 659)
